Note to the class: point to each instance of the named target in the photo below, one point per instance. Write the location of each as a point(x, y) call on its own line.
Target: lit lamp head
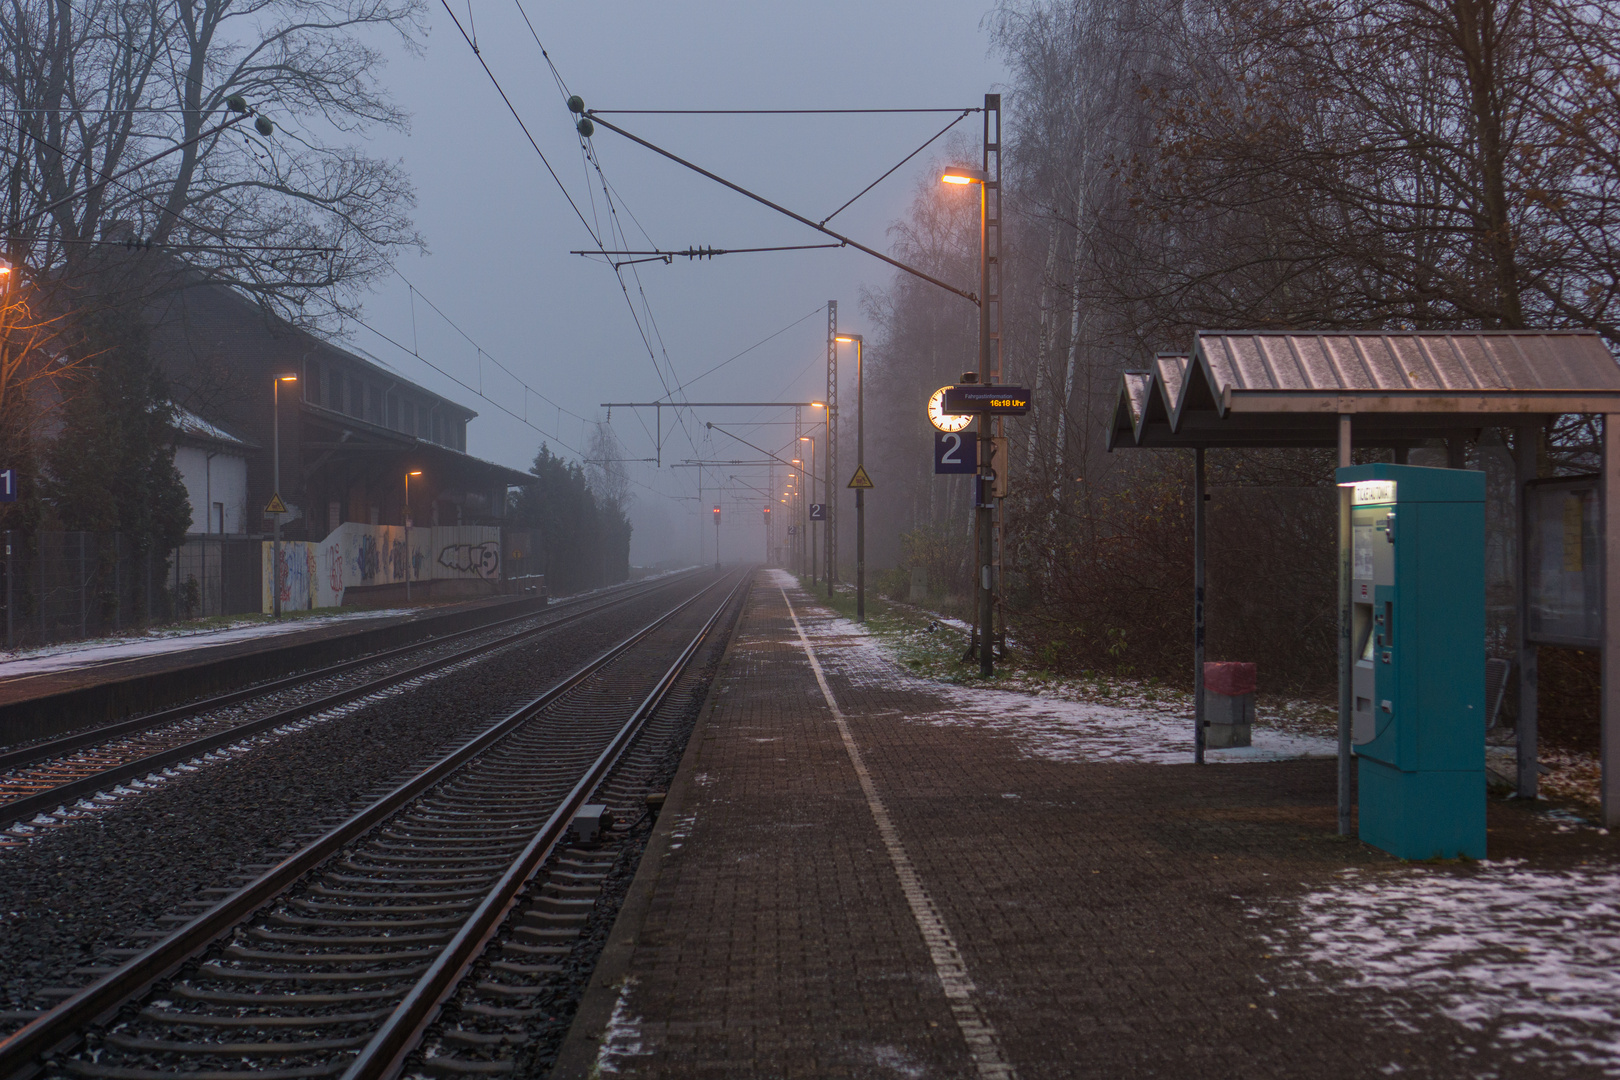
point(287, 378)
point(818, 404)
point(847, 338)
point(961, 174)
point(418, 472)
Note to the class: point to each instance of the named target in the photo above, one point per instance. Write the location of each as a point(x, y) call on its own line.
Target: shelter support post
point(1199, 532)
point(1345, 703)
point(1526, 448)
point(1457, 450)
point(1611, 621)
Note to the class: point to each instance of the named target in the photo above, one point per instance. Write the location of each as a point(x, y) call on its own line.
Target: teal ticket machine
point(1417, 640)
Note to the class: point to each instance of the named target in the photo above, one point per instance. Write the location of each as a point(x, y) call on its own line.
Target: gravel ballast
point(77, 894)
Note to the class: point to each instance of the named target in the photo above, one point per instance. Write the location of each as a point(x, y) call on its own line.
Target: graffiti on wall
point(481, 559)
point(318, 575)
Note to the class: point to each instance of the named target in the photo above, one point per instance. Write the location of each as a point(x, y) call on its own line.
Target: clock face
point(943, 420)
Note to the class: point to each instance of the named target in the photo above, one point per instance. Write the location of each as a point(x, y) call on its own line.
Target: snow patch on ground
point(1044, 727)
point(622, 1039)
point(76, 654)
point(1531, 958)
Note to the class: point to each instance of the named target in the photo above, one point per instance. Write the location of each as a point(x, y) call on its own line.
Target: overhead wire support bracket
point(660, 406)
point(633, 257)
point(800, 218)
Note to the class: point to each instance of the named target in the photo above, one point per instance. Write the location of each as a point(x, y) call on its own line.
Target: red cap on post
point(1231, 678)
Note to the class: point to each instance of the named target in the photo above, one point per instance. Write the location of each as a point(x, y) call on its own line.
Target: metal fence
point(217, 575)
point(65, 585)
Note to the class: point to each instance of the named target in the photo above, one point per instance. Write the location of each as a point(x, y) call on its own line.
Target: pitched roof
point(1274, 388)
point(189, 425)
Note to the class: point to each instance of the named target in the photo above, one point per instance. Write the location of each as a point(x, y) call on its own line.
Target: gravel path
point(73, 895)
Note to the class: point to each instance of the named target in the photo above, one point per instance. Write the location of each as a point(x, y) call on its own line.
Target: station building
point(350, 428)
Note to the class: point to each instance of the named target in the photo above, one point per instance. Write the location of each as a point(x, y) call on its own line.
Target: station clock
point(943, 420)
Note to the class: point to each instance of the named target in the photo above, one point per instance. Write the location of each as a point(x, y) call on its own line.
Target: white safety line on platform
point(942, 949)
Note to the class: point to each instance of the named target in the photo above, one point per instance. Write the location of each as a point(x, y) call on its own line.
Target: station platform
point(859, 873)
point(47, 691)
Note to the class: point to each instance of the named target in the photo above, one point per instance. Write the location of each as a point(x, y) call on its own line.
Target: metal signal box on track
point(1417, 641)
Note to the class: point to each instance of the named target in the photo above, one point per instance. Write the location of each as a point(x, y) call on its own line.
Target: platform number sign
point(955, 452)
point(818, 511)
point(8, 485)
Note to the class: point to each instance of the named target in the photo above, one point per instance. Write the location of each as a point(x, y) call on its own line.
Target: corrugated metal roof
point(1275, 388)
point(1171, 368)
point(1432, 361)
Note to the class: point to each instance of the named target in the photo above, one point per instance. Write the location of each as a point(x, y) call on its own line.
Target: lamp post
point(275, 483)
point(983, 509)
point(860, 463)
point(799, 513)
point(717, 537)
point(408, 561)
point(811, 525)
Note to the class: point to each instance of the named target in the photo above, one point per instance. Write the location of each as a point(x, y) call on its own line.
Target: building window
point(312, 382)
point(357, 397)
point(438, 426)
point(461, 435)
point(376, 413)
point(393, 412)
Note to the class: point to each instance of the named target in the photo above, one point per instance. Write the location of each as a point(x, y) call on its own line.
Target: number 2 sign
point(955, 452)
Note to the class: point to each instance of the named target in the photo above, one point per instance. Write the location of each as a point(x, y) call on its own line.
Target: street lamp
point(860, 463)
point(958, 174)
point(799, 512)
point(275, 484)
point(408, 561)
point(811, 525)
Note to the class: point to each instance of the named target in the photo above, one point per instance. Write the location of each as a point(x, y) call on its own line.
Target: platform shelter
point(1396, 391)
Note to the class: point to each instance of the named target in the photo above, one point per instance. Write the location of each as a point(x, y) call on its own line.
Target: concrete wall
point(222, 480)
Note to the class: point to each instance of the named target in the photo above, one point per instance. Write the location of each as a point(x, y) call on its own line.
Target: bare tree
point(278, 203)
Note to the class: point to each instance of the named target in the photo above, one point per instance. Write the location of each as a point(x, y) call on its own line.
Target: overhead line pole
point(830, 530)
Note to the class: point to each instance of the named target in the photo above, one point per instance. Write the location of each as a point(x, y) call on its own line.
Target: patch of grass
point(938, 653)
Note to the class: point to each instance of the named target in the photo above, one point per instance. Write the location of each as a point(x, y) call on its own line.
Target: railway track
point(339, 959)
point(38, 779)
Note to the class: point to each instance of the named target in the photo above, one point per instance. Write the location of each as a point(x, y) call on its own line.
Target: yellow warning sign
point(276, 505)
point(860, 479)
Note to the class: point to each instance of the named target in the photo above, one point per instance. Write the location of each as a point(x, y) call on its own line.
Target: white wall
point(224, 479)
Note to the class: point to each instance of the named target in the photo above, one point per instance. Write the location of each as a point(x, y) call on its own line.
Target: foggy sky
point(499, 230)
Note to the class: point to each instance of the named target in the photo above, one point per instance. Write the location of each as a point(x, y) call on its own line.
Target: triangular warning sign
point(860, 479)
point(276, 505)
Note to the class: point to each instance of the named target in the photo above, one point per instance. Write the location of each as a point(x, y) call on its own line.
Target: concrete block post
point(1229, 690)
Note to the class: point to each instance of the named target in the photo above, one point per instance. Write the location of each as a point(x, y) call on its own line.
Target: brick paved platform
point(863, 893)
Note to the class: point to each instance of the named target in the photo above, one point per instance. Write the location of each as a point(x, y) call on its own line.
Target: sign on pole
point(860, 479)
point(276, 505)
point(8, 485)
point(818, 511)
point(955, 452)
point(986, 398)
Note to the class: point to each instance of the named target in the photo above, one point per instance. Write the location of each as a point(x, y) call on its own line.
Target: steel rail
point(62, 1027)
point(47, 800)
point(37, 752)
point(385, 1055)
